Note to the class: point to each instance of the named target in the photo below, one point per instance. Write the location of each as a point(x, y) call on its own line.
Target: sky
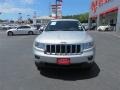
point(11, 8)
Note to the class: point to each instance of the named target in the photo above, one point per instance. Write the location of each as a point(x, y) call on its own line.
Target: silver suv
point(64, 43)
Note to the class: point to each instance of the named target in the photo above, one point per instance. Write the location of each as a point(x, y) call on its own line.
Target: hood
point(58, 37)
point(14, 29)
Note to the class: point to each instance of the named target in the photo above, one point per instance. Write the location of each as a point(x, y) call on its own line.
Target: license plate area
point(63, 61)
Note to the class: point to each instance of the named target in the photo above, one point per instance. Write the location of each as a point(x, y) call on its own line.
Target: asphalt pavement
point(18, 72)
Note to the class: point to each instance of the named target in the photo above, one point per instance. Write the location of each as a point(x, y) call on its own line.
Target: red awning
point(115, 9)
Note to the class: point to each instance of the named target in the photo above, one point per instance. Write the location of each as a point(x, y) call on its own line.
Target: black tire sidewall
point(10, 33)
point(30, 32)
point(100, 30)
point(106, 29)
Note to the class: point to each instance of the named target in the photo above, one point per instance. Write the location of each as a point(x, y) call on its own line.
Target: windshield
point(64, 26)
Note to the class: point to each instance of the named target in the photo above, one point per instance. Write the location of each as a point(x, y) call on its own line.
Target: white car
point(64, 42)
point(104, 28)
point(22, 30)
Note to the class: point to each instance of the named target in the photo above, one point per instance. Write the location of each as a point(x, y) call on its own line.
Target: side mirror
point(80, 27)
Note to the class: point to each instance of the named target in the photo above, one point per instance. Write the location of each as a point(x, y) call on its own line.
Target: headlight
point(88, 45)
point(40, 45)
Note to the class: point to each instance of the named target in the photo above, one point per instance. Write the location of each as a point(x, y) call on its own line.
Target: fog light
point(90, 58)
point(37, 57)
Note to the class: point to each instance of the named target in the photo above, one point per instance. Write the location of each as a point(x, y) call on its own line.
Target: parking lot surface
point(18, 72)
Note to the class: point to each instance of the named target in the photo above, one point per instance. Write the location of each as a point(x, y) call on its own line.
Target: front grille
point(63, 49)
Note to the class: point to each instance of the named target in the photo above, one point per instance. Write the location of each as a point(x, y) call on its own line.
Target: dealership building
point(105, 12)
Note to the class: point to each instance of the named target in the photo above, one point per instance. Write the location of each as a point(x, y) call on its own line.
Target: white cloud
point(7, 8)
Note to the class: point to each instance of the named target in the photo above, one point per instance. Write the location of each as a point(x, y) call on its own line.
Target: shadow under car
point(71, 74)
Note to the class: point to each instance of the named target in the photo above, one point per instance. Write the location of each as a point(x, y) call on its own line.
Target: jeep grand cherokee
point(64, 42)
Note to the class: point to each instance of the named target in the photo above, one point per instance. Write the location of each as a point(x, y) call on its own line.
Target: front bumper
point(85, 57)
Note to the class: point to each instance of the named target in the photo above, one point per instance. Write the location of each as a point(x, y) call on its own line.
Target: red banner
point(97, 3)
point(115, 9)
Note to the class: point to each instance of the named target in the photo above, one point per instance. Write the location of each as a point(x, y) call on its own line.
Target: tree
point(83, 18)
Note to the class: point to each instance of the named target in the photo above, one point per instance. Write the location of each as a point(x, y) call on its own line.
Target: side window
point(21, 27)
point(24, 27)
point(27, 27)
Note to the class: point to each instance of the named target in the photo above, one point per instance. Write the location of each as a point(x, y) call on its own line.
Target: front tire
point(10, 33)
point(30, 33)
point(99, 29)
point(106, 29)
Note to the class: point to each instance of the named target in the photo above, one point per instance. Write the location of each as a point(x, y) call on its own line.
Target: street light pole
point(20, 18)
point(28, 18)
point(56, 9)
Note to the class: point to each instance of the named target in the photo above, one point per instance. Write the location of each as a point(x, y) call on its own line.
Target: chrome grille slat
point(55, 49)
point(70, 48)
point(75, 48)
point(63, 49)
point(50, 49)
point(60, 49)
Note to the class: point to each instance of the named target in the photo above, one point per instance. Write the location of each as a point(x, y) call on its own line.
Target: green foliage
point(83, 18)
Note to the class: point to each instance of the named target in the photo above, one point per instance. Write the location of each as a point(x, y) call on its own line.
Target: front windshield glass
point(64, 26)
